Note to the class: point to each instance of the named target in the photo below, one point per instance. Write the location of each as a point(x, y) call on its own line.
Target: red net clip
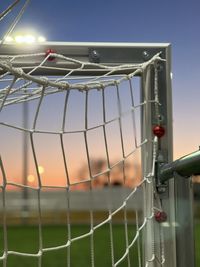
point(160, 216)
point(48, 54)
point(159, 131)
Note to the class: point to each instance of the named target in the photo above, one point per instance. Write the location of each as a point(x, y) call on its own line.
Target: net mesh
point(72, 135)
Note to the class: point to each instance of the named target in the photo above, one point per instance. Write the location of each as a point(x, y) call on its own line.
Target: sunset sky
point(175, 22)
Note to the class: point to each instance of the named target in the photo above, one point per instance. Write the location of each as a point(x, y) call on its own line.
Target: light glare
point(31, 178)
point(40, 169)
point(29, 39)
point(19, 39)
point(41, 39)
point(26, 39)
point(9, 39)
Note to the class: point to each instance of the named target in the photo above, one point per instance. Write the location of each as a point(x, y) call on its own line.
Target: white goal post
point(115, 98)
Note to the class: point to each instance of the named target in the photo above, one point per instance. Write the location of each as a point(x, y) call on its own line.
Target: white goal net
point(78, 150)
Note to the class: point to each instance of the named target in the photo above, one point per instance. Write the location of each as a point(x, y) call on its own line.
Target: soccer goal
point(83, 128)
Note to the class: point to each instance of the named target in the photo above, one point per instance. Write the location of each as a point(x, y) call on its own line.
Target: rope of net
point(16, 91)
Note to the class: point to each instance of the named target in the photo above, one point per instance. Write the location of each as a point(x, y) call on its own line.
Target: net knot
point(45, 81)
point(19, 71)
point(101, 86)
point(116, 82)
point(64, 85)
point(86, 87)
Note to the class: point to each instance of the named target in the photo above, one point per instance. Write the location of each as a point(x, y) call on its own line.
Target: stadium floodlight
point(25, 39)
point(29, 39)
point(19, 39)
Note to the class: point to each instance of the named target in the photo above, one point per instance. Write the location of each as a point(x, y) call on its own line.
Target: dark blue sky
point(173, 21)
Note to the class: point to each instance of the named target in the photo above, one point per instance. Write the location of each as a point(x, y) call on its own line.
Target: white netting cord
point(156, 201)
point(8, 10)
point(33, 86)
point(148, 180)
point(20, 85)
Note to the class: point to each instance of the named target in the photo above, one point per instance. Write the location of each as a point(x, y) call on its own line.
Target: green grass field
point(25, 239)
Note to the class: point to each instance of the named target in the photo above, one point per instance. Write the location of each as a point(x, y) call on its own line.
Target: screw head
point(160, 216)
point(161, 118)
point(145, 55)
point(161, 189)
point(94, 56)
point(159, 131)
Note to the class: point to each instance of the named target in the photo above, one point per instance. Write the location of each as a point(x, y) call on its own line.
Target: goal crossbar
point(103, 53)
